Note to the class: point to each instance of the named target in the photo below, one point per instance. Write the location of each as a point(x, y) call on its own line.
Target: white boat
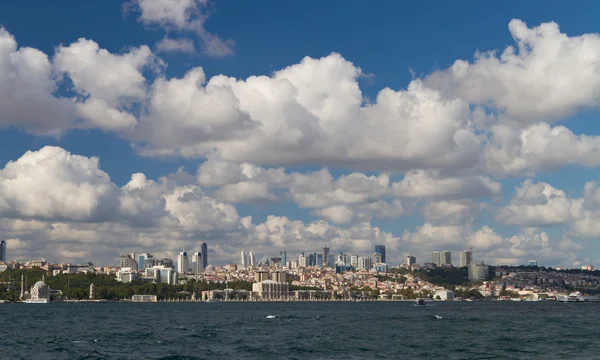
point(212, 300)
point(572, 297)
point(36, 301)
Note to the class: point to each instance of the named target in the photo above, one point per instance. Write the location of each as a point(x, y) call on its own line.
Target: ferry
point(573, 297)
point(36, 301)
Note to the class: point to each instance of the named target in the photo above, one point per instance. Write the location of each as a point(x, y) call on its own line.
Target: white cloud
point(54, 184)
point(188, 16)
point(549, 75)
point(307, 113)
point(27, 90)
point(539, 147)
point(539, 205)
point(185, 46)
point(245, 191)
point(427, 184)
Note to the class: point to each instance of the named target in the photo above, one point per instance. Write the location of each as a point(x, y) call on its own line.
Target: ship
point(572, 297)
point(35, 301)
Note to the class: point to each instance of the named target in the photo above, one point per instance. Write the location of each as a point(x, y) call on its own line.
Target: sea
point(301, 330)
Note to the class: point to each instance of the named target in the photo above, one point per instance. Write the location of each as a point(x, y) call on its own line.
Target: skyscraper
point(380, 249)
point(411, 260)
point(319, 260)
point(436, 258)
point(182, 263)
point(446, 257)
point(252, 259)
point(204, 250)
point(3, 251)
point(243, 258)
point(354, 260)
point(325, 254)
point(466, 258)
point(197, 264)
point(364, 263)
point(141, 261)
point(303, 261)
point(283, 257)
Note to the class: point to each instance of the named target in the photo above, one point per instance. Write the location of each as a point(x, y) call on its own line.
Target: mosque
point(39, 294)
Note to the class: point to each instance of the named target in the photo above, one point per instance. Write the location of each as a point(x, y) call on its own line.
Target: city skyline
point(458, 135)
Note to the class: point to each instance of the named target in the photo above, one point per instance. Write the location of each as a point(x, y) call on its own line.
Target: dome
point(39, 283)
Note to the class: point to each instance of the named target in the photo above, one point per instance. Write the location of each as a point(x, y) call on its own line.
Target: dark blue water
point(378, 330)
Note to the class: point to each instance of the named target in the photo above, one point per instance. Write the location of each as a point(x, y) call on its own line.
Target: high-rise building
point(331, 261)
point(446, 257)
point(204, 251)
point(252, 259)
point(377, 257)
point(532, 263)
point(182, 263)
point(283, 257)
point(197, 263)
point(411, 260)
point(243, 259)
point(319, 260)
point(142, 261)
point(3, 251)
point(380, 249)
point(365, 263)
point(325, 254)
point(150, 261)
point(436, 258)
point(478, 271)
point(128, 262)
point(466, 258)
point(311, 260)
point(303, 261)
point(354, 260)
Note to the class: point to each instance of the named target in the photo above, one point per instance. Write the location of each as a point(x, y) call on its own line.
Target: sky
point(156, 125)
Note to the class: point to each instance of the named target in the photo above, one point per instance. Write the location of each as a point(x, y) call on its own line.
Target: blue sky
point(329, 118)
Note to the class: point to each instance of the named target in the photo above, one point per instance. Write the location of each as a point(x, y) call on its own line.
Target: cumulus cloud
point(308, 113)
point(28, 90)
point(546, 76)
point(538, 147)
point(186, 16)
point(539, 204)
point(54, 184)
point(107, 84)
point(428, 184)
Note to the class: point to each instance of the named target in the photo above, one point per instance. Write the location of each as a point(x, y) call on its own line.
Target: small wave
point(271, 316)
point(439, 317)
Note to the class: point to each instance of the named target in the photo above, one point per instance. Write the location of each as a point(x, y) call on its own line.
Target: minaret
point(22, 289)
point(92, 291)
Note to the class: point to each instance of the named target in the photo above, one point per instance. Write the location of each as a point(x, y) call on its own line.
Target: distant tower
point(197, 263)
point(3, 251)
point(182, 263)
point(380, 249)
point(92, 291)
point(252, 258)
point(22, 288)
point(204, 251)
point(325, 255)
point(283, 257)
point(243, 259)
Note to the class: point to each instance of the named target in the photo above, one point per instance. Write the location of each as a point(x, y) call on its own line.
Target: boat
point(36, 301)
point(212, 300)
point(591, 298)
point(423, 302)
point(572, 297)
